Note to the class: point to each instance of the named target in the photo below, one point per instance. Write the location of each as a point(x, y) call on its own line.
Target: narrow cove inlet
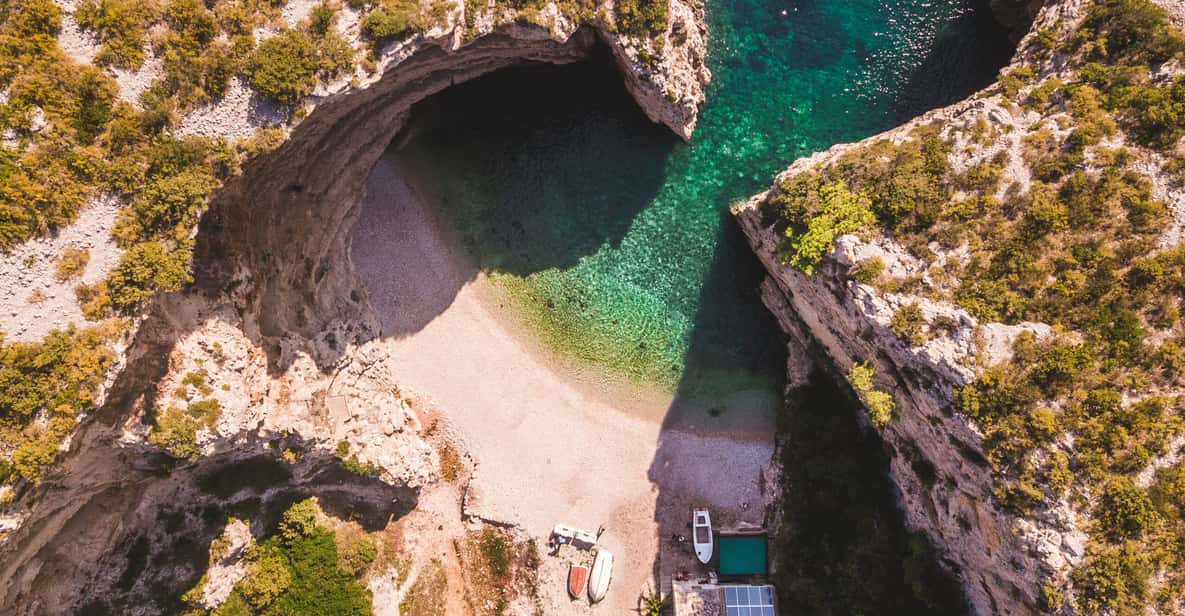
point(558, 278)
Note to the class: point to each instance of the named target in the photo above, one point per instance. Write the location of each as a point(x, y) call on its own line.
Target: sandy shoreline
point(548, 445)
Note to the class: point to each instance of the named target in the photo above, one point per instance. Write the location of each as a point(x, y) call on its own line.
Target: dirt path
point(545, 450)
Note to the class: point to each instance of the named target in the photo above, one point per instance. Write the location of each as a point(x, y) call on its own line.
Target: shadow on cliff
point(841, 545)
point(524, 179)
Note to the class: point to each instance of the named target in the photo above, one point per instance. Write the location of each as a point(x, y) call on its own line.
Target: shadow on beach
point(517, 208)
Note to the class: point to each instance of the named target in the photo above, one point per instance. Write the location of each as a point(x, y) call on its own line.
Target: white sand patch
point(29, 269)
point(297, 11)
point(545, 450)
point(79, 45)
point(133, 83)
point(234, 116)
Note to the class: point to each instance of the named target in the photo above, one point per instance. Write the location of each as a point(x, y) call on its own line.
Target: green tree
point(145, 269)
point(300, 520)
point(394, 19)
point(267, 578)
point(1125, 511)
point(841, 212)
point(284, 67)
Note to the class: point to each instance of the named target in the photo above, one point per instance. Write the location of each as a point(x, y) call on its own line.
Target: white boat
point(580, 538)
point(598, 580)
point(701, 535)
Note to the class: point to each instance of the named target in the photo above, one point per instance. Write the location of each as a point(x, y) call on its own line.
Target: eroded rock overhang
point(273, 249)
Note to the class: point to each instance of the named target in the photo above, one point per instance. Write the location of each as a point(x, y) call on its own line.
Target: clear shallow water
point(612, 238)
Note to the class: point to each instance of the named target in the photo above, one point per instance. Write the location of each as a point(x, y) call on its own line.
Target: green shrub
point(356, 554)
point(176, 430)
point(1129, 30)
point(351, 463)
point(300, 520)
point(1157, 114)
point(642, 17)
point(121, 25)
point(868, 271)
point(1113, 580)
point(266, 579)
point(908, 323)
point(840, 212)
point(1125, 511)
point(284, 67)
point(393, 19)
point(880, 405)
point(145, 269)
point(71, 263)
point(167, 207)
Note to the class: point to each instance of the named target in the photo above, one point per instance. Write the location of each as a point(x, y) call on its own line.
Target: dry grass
point(428, 596)
point(497, 570)
point(451, 466)
point(71, 263)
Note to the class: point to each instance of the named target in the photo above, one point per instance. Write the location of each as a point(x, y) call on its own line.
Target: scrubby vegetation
point(428, 595)
point(880, 404)
point(287, 66)
point(44, 388)
point(295, 570)
point(1078, 414)
point(175, 430)
point(350, 462)
point(498, 570)
point(71, 263)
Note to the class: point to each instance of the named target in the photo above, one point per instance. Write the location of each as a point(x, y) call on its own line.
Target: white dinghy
point(598, 580)
point(701, 535)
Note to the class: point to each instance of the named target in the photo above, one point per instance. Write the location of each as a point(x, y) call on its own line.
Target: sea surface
point(611, 238)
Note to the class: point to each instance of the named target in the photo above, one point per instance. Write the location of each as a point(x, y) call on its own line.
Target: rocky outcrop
point(943, 478)
point(282, 326)
point(937, 456)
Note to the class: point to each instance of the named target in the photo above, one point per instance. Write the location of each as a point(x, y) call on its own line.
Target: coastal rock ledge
point(881, 296)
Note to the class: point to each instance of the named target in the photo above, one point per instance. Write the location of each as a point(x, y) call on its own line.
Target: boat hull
point(577, 580)
point(598, 580)
point(701, 536)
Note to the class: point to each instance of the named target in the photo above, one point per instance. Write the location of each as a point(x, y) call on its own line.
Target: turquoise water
point(612, 238)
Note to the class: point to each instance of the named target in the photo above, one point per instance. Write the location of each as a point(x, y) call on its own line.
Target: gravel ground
point(30, 267)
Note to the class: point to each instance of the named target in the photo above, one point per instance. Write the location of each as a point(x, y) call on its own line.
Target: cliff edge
point(998, 283)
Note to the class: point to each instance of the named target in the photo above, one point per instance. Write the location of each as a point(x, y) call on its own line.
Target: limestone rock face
point(283, 331)
point(943, 478)
point(945, 481)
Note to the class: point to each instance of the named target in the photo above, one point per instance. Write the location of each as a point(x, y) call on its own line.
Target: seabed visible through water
point(610, 238)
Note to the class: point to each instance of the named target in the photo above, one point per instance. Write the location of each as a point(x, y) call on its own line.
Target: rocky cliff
point(277, 329)
point(1021, 512)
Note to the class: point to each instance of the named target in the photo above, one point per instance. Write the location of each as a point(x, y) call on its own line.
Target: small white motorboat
point(598, 580)
point(701, 535)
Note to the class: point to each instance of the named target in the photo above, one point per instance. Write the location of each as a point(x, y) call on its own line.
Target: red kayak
point(577, 578)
